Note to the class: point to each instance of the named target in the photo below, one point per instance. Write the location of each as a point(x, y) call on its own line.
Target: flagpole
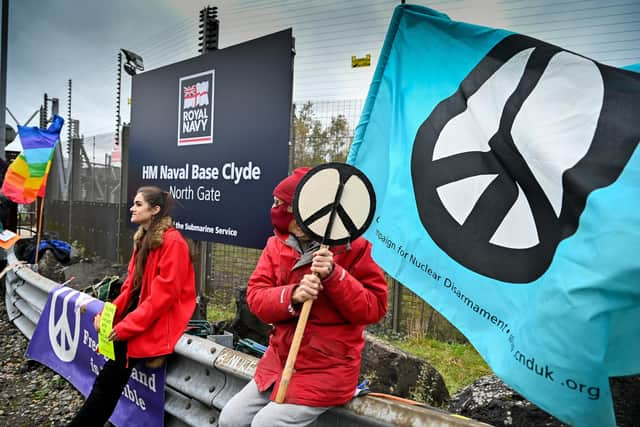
point(39, 230)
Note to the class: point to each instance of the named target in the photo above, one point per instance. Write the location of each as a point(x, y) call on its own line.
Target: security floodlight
point(10, 134)
point(134, 62)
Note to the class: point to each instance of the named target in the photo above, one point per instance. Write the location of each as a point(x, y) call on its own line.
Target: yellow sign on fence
point(361, 62)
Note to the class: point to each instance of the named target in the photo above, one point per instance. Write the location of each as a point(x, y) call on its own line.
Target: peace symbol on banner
point(63, 336)
point(501, 169)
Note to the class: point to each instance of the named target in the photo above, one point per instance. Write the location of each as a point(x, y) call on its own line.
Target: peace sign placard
point(334, 203)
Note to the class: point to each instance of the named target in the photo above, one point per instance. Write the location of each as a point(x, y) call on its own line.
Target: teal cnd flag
point(508, 184)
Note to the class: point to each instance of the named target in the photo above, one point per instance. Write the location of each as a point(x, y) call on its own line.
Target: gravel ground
point(30, 393)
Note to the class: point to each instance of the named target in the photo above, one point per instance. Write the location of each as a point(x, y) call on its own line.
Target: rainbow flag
point(26, 177)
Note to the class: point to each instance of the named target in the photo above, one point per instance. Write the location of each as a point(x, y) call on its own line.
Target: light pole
point(3, 73)
point(132, 65)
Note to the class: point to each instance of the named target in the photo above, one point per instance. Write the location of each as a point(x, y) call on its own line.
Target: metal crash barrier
point(203, 375)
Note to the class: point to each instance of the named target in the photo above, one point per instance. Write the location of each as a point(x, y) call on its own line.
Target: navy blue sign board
point(214, 131)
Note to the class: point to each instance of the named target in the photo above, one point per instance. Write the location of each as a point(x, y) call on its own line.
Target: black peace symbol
point(470, 242)
point(334, 203)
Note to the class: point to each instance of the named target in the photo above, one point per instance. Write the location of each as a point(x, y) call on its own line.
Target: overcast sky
point(51, 41)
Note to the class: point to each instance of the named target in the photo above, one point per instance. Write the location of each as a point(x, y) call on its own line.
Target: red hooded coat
point(328, 363)
point(167, 299)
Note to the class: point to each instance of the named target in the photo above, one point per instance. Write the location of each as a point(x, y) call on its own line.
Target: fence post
point(203, 249)
point(396, 306)
point(123, 202)
point(3, 75)
point(71, 164)
point(117, 143)
point(74, 179)
point(292, 139)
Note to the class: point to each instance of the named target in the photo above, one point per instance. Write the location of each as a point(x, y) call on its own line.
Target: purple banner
point(65, 341)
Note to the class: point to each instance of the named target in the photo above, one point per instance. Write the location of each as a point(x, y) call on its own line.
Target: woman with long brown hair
point(154, 306)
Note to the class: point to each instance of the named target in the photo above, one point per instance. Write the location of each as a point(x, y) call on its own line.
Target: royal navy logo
point(195, 109)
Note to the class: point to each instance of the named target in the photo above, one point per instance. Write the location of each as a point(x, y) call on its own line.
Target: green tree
point(339, 139)
point(315, 143)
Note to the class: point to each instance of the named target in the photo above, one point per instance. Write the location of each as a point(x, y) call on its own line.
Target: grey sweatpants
point(250, 407)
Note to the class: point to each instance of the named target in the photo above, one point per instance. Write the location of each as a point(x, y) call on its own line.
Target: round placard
point(334, 203)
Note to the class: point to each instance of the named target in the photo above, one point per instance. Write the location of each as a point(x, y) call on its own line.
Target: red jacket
point(167, 299)
point(328, 363)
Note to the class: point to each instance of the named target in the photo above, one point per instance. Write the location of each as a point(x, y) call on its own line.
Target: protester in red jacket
point(349, 292)
point(153, 309)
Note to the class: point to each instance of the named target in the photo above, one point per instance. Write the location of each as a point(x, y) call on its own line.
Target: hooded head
point(287, 187)
point(282, 214)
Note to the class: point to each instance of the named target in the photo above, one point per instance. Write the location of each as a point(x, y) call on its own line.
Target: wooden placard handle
point(293, 350)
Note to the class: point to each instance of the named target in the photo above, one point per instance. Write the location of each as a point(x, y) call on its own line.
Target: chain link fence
point(323, 131)
point(85, 206)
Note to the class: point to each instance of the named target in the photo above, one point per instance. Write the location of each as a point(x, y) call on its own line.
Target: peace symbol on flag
point(502, 168)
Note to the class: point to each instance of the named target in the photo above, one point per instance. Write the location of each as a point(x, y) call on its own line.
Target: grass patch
point(40, 394)
point(459, 364)
point(218, 312)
